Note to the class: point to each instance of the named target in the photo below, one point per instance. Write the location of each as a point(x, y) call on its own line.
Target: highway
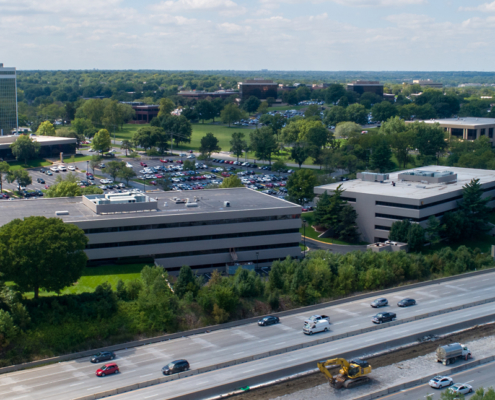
point(482, 376)
point(76, 378)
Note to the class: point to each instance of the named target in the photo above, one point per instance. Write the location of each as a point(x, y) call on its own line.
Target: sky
point(316, 35)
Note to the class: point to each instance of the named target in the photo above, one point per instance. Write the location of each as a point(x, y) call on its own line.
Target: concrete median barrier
point(308, 309)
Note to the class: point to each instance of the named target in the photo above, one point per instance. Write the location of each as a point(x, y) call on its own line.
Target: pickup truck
point(316, 318)
point(317, 326)
point(383, 317)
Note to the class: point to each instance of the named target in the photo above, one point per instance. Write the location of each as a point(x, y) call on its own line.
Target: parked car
point(71, 168)
point(54, 169)
point(383, 317)
point(108, 369)
point(175, 367)
point(49, 173)
point(103, 356)
point(461, 388)
point(406, 302)
point(40, 180)
point(128, 165)
point(269, 320)
point(143, 164)
point(62, 168)
point(381, 302)
point(439, 382)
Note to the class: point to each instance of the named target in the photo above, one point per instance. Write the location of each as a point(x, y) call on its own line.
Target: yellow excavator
point(352, 373)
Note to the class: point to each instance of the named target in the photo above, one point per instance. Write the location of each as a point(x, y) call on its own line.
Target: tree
point(46, 129)
point(400, 138)
point(347, 129)
point(346, 228)
point(301, 184)
point(126, 174)
point(454, 222)
point(263, 107)
point(251, 104)
point(275, 122)
point(83, 127)
point(399, 231)
point(24, 148)
point(474, 208)
point(321, 214)
point(271, 101)
point(112, 115)
point(178, 127)
point(209, 144)
point(186, 282)
point(231, 182)
point(415, 237)
point(334, 115)
point(93, 110)
point(166, 107)
point(334, 92)
point(299, 153)
point(238, 144)
point(4, 169)
point(231, 113)
point(164, 183)
point(206, 110)
point(91, 190)
point(146, 137)
point(312, 111)
point(434, 229)
point(290, 97)
point(64, 189)
point(381, 157)
point(428, 139)
point(279, 166)
point(102, 141)
point(43, 253)
point(383, 111)
point(94, 162)
point(189, 165)
point(263, 143)
point(113, 168)
point(357, 113)
point(126, 145)
point(21, 176)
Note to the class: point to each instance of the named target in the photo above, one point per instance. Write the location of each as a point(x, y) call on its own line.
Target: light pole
point(257, 254)
point(304, 237)
point(87, 167)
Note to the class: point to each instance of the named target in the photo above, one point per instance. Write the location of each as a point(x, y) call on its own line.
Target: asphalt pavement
point(77, 378)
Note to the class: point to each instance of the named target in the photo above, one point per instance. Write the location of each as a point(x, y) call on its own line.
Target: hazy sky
point(248, 34)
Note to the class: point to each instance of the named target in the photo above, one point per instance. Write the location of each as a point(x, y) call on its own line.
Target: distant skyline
point(316, 35)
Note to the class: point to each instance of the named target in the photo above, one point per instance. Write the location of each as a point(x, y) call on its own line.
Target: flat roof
point(209, 200)
point(6, 141)
point(472, 121)
point(413, 190)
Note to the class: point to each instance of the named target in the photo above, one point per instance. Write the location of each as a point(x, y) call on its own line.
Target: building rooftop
point(471, 121)
point(208, 201)
point(6, 141)
point(413, 190)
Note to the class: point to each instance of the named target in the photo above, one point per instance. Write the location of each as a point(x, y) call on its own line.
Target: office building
point(382, 199)
point(202, 94)
point(467, 128)
point(50, 146)
point(205, 230)
point(8, 100)
point(366, 87)
point(260, 88)
point(428, 83)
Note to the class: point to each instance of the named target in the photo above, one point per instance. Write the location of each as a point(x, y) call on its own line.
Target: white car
point(71, 168)
point(191, 156)
point(62, 168)
point(461, 388)
point(128, 165)
point(439, 382)
point(54, 169)
point(106, 181)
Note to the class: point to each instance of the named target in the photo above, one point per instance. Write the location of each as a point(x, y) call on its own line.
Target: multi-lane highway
point(482, 376)
point(74, 379)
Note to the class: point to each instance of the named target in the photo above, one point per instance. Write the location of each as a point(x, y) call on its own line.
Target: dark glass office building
point(8, 100)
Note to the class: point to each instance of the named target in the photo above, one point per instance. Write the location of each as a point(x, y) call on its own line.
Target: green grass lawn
point(16, 165)
point(285, 108)
point(311, 233)
point(126, 132)
point(94, 276)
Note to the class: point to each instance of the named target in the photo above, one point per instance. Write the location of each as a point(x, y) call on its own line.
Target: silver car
point(439, 382)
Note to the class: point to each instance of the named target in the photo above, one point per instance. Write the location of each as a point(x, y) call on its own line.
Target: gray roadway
point(482, 376)
point(76, 378)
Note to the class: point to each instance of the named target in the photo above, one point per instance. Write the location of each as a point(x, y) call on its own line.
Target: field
point(16, 165)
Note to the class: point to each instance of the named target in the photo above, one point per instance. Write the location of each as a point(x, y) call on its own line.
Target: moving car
point(269, 320)
point(406, 302)
point(316, 318)
point(103, 356)
point(381, 302)
point(439, 382)
point(383, 317)
point(461, 388)
point(108, 369)
point(175, 367)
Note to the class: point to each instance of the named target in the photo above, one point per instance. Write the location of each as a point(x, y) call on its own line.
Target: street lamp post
point(257, 259)
point(87, 167)
point(304, 238)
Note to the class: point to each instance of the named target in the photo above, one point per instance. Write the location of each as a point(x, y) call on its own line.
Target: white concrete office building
point(465, 128)
point(382, 199)
point(205, 229)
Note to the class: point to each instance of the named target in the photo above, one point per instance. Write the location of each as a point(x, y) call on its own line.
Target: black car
point(381, 302)
point(103, 356)
point(270, 320)
point(175, 367)
point(42, 170)
point(38, 193)
point(40, 180)
point(383, 317)
point(406, 302)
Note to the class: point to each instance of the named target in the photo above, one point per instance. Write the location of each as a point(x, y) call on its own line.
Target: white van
point(317, 326)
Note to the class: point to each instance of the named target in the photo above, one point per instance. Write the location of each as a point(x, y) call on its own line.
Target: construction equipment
point(352, 373)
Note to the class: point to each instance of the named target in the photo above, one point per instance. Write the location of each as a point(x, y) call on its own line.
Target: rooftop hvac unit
point(226, 203)
point(191, 205)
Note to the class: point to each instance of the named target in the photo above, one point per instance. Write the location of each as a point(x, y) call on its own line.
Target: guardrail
point(233, 324)
point(272, 353)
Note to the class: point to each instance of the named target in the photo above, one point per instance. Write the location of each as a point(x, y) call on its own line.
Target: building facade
point(260, 88)
point(202, 95)
point(428, 83)
point(218, 228)
point(415, 195)
point(366, 87)
point(8, 100)
point(466, 128)
point(50, 146)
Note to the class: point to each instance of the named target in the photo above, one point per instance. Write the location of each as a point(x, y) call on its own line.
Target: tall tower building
point(8, 100)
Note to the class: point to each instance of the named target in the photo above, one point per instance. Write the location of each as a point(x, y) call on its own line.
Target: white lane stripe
point(457, 288)
point(142, 376)
point(96, 387)
point(75, 384)
point(426, 294)
point(244, 335)
point(342, 311)
point(242, 352)
point(153, 395)
point(203, 343)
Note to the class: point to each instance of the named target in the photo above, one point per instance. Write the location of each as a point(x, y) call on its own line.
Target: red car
point(179, 161)
point(108, 369)
point(225, 174)
point(164, 161)
point(270, 185)
point(190, 151)
point(158, 176)
point(153, 183)
point(143, 164)
point(89, 174)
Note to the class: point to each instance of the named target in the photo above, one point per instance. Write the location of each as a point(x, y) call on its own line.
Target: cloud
point(224, 7)
point(351, 3)
point(486, 7)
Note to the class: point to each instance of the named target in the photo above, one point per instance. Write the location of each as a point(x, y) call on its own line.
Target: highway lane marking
point(96, 387)
point(142, 376)
point(250, 370)
point(75, 384)
point(264, 340)
point(457, 288)
point(342, 311)
point(353, 326)
point(472, 380)
point(365, 304)
point(284, 327)
point(244, 335)
point(153, 395)
point(477, 297)
point(369, 340)
point(281, 343)
point(236, 354)
point(431, 394)
point(425, 294)
point(338, 323)
point(203, 343)
point(20, 397)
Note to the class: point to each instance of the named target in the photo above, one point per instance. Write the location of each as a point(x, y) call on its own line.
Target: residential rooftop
point(414, 190)
point(208, 201)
